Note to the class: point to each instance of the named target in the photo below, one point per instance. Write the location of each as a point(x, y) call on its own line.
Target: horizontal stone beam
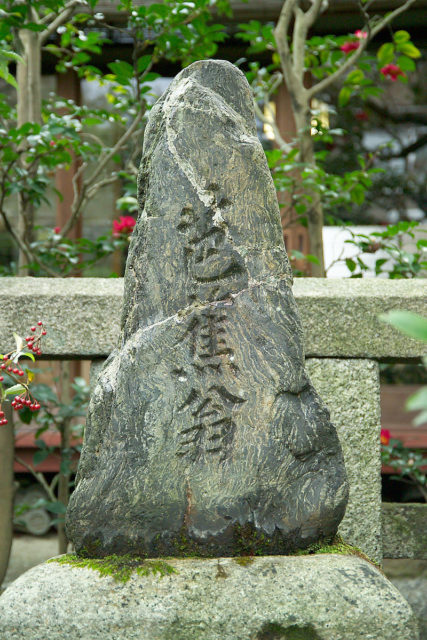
point(404, 528)
point(339, 316)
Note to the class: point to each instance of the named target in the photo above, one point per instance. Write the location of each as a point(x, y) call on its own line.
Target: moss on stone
point(336, 546)
point(120, 568)
point(244, 561)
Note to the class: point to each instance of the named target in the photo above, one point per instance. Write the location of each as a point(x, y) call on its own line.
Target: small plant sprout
point(20, 376)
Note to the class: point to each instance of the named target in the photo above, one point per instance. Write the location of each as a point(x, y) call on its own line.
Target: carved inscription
point(213, 265)
point(211, 410)
point(212, 423)
point(214, 269)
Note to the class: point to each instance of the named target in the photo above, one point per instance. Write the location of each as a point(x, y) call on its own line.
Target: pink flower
point(385, 436)
point(392, 71)
point(57, 229)
point(361, 34)
point(125, 225)
point(349, 46)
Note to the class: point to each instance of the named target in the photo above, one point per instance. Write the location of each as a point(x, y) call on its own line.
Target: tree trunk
point(315, 209)
point(28, 75)
point(7, 449)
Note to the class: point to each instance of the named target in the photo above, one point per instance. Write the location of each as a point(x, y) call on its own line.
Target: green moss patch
point(336, 546)
point(120, 568)
point(244, 561)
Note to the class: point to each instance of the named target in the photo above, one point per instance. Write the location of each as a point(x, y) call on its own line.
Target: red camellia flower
point(392, 71)
point(57, 229)
point(349, 46)
point(124, 225)
point(385, 436)
point(361, 115)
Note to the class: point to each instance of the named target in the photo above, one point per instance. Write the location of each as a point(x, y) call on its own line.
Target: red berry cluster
point(24, 400)
point(34, 341)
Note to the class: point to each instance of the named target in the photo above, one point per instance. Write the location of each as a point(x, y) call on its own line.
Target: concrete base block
point(320, 597)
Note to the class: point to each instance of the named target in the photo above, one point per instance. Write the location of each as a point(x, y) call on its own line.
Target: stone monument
point(205, 437)
point(204, 432)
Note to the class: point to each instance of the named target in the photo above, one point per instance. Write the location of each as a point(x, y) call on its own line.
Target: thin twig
point(38, 476)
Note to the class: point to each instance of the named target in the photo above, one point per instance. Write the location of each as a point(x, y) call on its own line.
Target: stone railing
point(345, 341)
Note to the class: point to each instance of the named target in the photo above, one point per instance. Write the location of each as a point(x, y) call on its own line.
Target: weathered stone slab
point(204, 434)
point(339, 316)
point(351, 391)
point(323, 597)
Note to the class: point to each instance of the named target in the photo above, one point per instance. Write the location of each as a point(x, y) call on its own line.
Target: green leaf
point(355, 77)
point(56, 507)
point(40, 456)
point(143, 63)
point(410, 50)
point(407, 322)
point(311, 258)
point(401, 36)
point(357, 194)
point(122, 70)
point(385, 53)
point(344, 96)
point(17, 388)
point(405, 63)
point(8, 77)
point(28, 354)
point(351, 265)
point(421, 418)
point(418, 400)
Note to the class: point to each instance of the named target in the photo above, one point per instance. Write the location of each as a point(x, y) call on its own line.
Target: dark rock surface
point(204, 433)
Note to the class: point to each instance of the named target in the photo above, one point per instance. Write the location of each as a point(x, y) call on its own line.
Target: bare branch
point(303, 22)
point(59, 19)
point(95, 188)
point(351, 60)
point(38, 476)
point(408, 113)
point(405, 151)
point(272, 123)
point(83, 196)
point(23, 246)
point(281, 36)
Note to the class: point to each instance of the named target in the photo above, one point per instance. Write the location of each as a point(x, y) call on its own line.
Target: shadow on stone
point(274, 631)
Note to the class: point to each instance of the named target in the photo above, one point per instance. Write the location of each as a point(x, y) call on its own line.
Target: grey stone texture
point(204, 434)
point(410, 577)
point(351, 391)
point(339, 317)
point(323, 597)
point(404, 528)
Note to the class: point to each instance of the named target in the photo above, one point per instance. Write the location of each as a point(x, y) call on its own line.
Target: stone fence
point(345, 341)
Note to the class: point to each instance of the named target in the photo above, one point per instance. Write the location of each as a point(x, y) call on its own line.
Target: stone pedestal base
point(321, 597)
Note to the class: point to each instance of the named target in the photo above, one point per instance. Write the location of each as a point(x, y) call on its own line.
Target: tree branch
point(303, 22)
point(329, 80)
point(281, 37)
point(409, 113)
point(38, 476)
point(59, 19)
point(85, 190)
point(405, 151)
point(285, 146)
